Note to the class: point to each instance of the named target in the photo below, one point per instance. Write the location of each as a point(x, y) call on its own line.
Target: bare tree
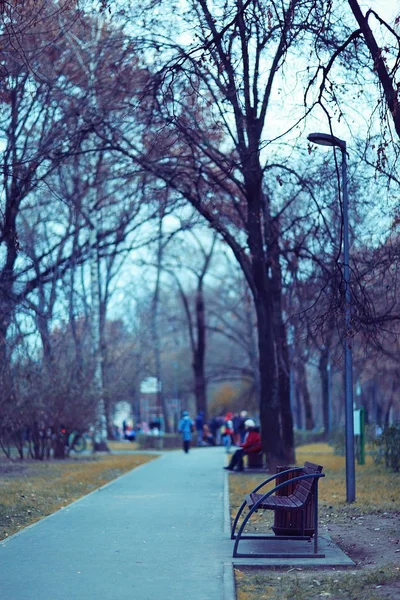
point(209, 130)
point(196, 319)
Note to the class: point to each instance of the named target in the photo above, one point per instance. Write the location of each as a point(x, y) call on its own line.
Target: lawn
point(370, 481)
point(378, 498)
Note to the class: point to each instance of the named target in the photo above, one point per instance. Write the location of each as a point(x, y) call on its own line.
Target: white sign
point(357, 421)
point(150, 385)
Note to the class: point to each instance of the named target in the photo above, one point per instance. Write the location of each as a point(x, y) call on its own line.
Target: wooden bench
point(255, 460)
point(304, 483)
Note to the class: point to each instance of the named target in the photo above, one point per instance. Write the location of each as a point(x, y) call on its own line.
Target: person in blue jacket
point(185, 427)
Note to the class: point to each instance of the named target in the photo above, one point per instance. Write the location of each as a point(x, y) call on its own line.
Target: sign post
point(359, 431)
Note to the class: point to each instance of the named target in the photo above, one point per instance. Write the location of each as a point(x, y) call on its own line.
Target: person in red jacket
point(252, 443)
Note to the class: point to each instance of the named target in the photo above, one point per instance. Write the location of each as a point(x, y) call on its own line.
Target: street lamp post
point(326, 139)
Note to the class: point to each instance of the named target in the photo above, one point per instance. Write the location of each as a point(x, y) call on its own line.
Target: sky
point(388, 9)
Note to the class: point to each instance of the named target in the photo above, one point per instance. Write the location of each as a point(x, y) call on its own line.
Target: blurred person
point(207, 436)
point(251, 444)
point(215, 426)
point(241, 427)
point(236, 435)
point(130, 433)
point(186, 427)
point(227, 432)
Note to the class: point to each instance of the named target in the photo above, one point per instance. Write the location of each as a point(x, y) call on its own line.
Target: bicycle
point(76, 442)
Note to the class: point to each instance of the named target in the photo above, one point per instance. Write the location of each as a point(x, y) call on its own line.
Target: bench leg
point(239, 534)
point(235, 522)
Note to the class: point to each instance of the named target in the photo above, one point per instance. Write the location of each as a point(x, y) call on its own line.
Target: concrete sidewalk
point(160, 532)
point(154, 533)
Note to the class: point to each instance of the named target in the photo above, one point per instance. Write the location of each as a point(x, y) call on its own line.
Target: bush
point(387, 447)
point(303, 436)
point(337, 439)
point(167, 441)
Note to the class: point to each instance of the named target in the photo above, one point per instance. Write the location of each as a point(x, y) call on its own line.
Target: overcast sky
point(388, 9)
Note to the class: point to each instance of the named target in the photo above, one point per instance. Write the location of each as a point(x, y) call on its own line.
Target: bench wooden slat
point(294, 501)
point(313, 467)
point(301, 493)
point(274, 502)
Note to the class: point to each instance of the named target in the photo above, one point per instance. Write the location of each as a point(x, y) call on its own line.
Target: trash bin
point(287, 522)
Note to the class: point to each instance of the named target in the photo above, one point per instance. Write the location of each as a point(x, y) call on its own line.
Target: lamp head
point(326, 139)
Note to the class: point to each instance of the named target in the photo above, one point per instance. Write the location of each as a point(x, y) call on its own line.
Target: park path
point(155, 533)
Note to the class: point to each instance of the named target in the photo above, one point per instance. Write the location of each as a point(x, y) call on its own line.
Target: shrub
point(303, 436)
point(337, 439)
point(166, 441)
point(387, 447)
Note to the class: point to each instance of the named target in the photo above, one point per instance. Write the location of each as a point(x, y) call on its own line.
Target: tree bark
point(280, 338)
point(271, 402)
point(308, 410)
point(199, 354)
point(325, 392)
point(100, 433)
point(161, 402)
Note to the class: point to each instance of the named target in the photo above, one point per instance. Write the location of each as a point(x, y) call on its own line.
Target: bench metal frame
point(313, 492)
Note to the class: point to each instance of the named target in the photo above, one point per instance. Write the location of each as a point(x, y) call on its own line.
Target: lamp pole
point(325, 139)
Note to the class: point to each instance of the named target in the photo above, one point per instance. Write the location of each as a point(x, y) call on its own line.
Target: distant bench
point(255, 460)
point(304, 483)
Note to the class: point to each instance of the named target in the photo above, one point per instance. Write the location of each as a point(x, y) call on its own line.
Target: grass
point(31, 490)
point(296, 585)
point(28, 493)
point(371, 480)
point(123, 445)
point(255, 584)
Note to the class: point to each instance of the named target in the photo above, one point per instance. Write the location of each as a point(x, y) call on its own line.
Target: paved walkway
point(155, 533)
point(160, 532)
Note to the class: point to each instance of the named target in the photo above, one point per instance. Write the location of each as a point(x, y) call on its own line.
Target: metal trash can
point(287, 522)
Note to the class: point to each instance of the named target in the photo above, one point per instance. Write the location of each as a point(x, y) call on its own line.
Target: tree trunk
point(308, 410)
point(76, 336)
point(274, 449)
point(200, 385)
point(253, 354)
point(42, 323)
point(325, 392)
point(299, 411)
point(284, 393)
point(282, 352)
point(6, 381)
point(161, 403)
point(275, 390)
point(199, 355)
point(100, 432)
